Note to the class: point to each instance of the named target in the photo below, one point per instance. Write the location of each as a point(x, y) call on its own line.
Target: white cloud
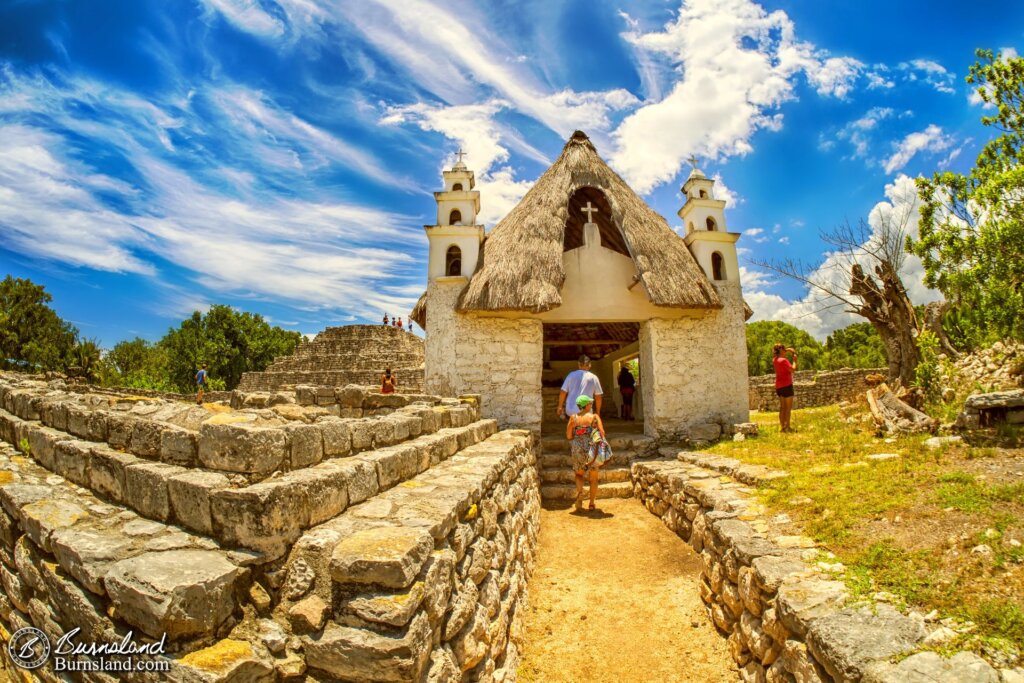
point(858, 132)
point(474, 128)
point(930, 72)
point(819, 316)
point(736, 63)
point(198, 208)
point(930, 140)
point(725, 193)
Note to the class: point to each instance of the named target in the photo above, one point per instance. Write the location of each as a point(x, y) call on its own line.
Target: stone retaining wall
point(785, 613)
point(269, 543)
point(813, 388)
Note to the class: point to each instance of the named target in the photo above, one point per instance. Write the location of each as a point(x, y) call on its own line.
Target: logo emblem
point(29, 648)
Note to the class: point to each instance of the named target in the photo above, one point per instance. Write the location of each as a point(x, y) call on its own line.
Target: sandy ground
point(614, 597)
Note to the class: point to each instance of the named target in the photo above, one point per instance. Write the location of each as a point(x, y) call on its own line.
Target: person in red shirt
point(784, 383)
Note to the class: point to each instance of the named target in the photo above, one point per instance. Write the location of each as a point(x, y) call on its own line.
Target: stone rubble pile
point(353, 354)
point(994, 368)
point(786, 616)
point(128, 513)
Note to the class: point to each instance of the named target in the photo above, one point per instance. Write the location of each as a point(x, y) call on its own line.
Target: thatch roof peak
point(521, 265)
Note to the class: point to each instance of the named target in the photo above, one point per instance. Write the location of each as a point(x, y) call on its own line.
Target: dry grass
point(909, 526)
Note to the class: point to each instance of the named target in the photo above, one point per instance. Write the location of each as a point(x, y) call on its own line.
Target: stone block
point(119, 430)
point(470, 645)
point(394, 609)
point(43, 442)
point(42, 518)
point(147, 490)
point(227, 661)
point(87, 554)
point(308, 614)
point(266, 516)
point(107, 472)
point(305, 395)
point(395, 464)
point(307, 444)
point(363, 655)
point(802, 601)
point(183, 593)
point(146, 438)
point(75, 607)
point(337, 437)
point(325, 488)
point(71, 461)
point(240, 447)
point(87, 424)
point(361, 474)
point(190, 495)
point(847, 642)
point(929, 667)
point(179, 447)
point(386, 556)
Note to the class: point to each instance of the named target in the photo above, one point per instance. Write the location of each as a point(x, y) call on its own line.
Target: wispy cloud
point(930, 140)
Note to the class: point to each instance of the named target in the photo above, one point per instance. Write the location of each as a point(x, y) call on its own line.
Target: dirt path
point(614, 597)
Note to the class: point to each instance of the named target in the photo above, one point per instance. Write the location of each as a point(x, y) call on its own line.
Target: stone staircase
point(269, 543)
point(557, 478)
point(353, 354)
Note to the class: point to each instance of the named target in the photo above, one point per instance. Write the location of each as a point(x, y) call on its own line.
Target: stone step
point(564, 460)
point(102, 568)
point(444, 555)
point(619, 442)
point(564, 475)
point(266, 516)
point(568, 492)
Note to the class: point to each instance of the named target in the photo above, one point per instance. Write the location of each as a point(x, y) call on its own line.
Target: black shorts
point(785, 392)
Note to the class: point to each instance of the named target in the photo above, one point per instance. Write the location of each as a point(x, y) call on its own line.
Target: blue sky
point(278, 156)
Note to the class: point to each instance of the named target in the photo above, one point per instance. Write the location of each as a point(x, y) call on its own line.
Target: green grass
point(864, 512)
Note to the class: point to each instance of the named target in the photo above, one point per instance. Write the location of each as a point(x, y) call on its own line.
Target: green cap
point(583, 401)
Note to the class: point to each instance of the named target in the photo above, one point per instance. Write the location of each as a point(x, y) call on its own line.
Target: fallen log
point(896, 417)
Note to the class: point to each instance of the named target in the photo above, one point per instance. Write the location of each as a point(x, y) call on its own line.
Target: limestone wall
point(776, 597)
point(269, 543)
point(813, 387)
point(498, 358)
point(694, 369)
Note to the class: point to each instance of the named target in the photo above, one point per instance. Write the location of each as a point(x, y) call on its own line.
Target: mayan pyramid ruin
point(338, 356)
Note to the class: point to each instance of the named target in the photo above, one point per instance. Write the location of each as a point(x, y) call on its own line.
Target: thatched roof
point(419, 312)
point(521, 265)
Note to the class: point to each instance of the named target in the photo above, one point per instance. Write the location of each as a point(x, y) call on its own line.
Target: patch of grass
point(903, 525)
point(998, 618)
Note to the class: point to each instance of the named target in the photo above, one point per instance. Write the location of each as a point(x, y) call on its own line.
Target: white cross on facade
point(590, 210)
point(461, 154)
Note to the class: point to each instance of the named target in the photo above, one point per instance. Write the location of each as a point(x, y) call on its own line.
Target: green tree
point(854, 346)
point(764, 334)
point(230, 342)
point(971, 232)
point(32, 336)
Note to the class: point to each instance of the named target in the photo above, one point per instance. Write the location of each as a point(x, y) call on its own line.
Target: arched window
point(711, 224)
point(455, 217)
point(717, 266)
point(703, 194)
point(457, 187)
point(453, 262)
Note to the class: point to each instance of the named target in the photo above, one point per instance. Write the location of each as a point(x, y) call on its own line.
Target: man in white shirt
point(578, 383)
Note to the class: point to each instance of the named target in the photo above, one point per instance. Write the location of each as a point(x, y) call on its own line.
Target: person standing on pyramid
point(201, 379)
point(386, 320)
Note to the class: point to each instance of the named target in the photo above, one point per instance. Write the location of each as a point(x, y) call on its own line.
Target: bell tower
point(704, 218)
point(455, 239)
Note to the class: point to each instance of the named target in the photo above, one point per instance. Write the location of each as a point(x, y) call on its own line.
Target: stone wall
point(498, 358)
point(352, 354)
point(813, 388)
point(272, 542)
point(780, 601)
point(694, 369)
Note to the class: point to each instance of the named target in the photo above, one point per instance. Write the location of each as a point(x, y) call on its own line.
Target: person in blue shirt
point(201, 378)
